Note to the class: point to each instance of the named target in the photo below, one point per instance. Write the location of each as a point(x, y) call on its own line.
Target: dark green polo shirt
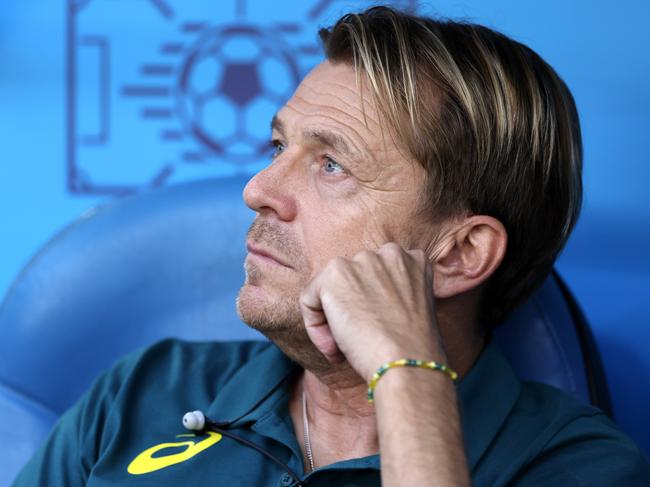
point(127, 429)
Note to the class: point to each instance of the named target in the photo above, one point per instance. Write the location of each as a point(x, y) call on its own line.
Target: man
point(423, 180)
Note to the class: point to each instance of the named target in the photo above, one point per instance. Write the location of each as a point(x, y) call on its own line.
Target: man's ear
point(472, 253)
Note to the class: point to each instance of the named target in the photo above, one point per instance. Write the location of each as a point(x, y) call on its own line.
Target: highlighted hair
point(492, 123)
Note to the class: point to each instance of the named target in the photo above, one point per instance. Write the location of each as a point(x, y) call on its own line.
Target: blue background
point(599, 48)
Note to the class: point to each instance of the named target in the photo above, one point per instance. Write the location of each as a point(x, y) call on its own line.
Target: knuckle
point(418, 255)
point(335, 265)
point(304, 295)
point(363, 255)
point(392, 247)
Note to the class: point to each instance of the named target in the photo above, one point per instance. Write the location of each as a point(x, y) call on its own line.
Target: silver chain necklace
point(305, 432)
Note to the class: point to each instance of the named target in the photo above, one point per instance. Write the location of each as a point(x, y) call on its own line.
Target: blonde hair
point(493, 124)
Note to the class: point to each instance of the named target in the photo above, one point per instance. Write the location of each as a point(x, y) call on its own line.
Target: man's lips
point(265, 254)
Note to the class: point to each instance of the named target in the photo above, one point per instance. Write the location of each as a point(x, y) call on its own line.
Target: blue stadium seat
point(168, 262)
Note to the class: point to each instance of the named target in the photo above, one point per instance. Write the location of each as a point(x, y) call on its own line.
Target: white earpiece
point(194, 420)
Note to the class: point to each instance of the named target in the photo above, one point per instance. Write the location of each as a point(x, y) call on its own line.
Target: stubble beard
point(273, 308)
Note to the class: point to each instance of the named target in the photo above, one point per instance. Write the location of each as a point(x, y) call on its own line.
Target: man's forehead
point(333, 91)
point(340, 78)
point(328, 108)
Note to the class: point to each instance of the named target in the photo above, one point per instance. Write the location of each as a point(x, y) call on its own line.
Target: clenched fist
point(373, 308)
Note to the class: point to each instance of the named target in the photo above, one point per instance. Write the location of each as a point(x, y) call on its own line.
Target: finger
point(418, 254)
point(320, 333)
point(391, 248)
point(322, 338)
point(310, 295)
point(429, 272)
point(316, 324)
point(364, 256)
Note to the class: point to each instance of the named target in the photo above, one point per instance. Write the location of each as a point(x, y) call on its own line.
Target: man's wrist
point(413, 382)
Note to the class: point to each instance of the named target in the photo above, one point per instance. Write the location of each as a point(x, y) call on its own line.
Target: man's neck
point(342, 424)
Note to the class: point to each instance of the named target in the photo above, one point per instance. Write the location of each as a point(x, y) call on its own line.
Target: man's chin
point(280, 320)
point(263, 311)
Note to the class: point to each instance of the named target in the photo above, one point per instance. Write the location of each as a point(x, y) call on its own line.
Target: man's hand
point(379, 307)
point(374, 308)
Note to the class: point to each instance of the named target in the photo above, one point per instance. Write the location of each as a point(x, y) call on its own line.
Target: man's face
point(337, 185)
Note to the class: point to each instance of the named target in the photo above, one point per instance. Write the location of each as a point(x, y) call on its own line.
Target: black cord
point(218, 428)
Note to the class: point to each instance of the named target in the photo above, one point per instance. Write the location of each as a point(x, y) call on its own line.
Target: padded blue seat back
point(165, 263)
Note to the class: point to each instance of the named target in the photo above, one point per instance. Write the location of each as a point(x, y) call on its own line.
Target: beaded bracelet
point(406, 362)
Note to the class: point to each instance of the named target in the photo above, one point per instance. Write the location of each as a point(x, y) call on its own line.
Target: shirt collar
point(487, 395)
point(243, 396)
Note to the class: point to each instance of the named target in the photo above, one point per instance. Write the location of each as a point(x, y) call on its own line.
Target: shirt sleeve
point(589, 451)
point(72, 447)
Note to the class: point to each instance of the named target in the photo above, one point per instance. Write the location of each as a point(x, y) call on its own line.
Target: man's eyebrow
point(324, 137)
point(331, 139)
point(276, 124)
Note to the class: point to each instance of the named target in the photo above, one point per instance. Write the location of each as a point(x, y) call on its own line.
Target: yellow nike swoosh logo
point(145, 462)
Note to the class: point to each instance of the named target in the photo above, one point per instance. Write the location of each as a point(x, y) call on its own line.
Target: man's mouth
point(265, 255)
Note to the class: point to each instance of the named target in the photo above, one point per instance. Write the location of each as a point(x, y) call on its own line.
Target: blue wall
point(99, 98)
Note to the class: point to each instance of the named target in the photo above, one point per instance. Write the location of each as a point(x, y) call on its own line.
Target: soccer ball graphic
point(230, 86)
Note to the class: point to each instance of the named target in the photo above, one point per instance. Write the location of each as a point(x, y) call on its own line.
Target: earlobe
point(470, 257)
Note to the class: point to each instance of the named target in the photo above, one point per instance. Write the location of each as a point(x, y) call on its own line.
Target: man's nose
point(270, 191)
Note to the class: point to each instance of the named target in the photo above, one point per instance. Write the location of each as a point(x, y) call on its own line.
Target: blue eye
point(277, 148)
point(332, 167)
